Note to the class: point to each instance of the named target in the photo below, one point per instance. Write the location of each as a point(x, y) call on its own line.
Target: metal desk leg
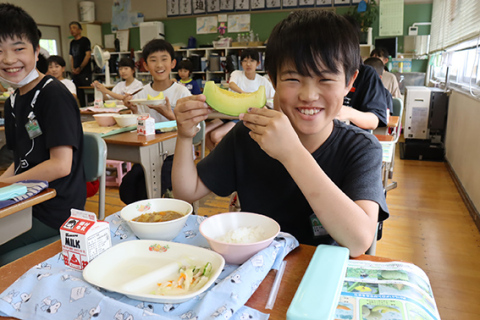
point(152, 161)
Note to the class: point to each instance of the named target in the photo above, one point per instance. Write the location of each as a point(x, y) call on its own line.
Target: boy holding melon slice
point(317, 177)
point(159, 61)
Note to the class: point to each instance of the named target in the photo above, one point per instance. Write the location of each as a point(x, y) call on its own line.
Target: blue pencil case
point(12, 191)
point(319, 291)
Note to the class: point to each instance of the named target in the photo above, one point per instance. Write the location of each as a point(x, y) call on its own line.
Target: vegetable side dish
point(188, 279)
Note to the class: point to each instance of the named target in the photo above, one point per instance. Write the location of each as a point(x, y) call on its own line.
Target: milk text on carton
point(145, 125)
point(83, 238)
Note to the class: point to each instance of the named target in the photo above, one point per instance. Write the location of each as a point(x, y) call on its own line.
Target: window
point(50, 45)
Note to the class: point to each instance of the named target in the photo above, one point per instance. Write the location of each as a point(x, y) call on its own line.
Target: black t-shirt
point(368, 94)
point(351, 157)
point(58, 116)
point(78, 49)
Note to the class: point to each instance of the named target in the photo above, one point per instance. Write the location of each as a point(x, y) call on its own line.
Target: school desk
point(297, 263)
point(17, 218)
point(149, 151)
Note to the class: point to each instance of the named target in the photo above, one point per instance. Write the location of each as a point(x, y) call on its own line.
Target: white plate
point(133, 269)
point(148, 102)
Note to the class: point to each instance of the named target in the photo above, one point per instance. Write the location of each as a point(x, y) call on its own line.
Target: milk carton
point(145, 125)
point(83, 238)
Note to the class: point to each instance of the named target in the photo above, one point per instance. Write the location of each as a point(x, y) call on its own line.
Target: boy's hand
point(164, 109)
point(127, 103)
point(272, 131)
point(189, 112)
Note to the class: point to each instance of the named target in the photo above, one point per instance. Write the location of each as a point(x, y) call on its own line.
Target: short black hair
point(16, 22)
point(156, 45)
point(185, 64)
point(76, 23)
point(313, 40)
point(56, 59)
point(376, 63)
point(126, 62)
point(249, 53)
point(380, 52)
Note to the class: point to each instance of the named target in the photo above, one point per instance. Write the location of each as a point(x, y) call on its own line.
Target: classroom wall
point(462, 143)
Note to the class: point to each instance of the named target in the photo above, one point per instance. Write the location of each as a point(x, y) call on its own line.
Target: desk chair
point(94, 161)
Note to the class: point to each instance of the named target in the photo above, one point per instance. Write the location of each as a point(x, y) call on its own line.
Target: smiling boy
point(159, 61)
point(319, 178)
point(42, 127)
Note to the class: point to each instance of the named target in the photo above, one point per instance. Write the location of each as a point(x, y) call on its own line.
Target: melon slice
point(233, 103)
point(160, 96)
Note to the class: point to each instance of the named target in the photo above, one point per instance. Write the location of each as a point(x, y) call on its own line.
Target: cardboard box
point(83, 238)
point(145, 125)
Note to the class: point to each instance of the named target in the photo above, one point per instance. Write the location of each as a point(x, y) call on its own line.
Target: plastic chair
point(199, 139)
point(116, 181)
point(94, 161)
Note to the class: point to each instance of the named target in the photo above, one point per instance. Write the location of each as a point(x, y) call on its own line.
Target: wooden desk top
point(393, 121)
point(384, 137)
point(132, 139)
point(45, 195)
point(297, 263)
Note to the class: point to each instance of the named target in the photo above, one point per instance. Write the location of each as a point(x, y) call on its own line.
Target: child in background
point(42, 127)
point(378, 65)
point(56, 68)
point(318, 178)
point(126, 69)
point(159, 61)
point(185, 69)
point(244, 81)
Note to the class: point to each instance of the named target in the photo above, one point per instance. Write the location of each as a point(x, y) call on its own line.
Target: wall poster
point(257, 4)
point(306, 3)
point(213, 5)
point(199, 6)
point(207, 24)
point(324, 3)
point(241, 5)
point(274, 4)
point(227, 5)
point(290, 3)
point(239, 23)
point(185, 7)
point(172, 8)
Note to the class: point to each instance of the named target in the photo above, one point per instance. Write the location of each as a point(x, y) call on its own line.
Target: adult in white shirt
point(244, 81)
point(126, 69)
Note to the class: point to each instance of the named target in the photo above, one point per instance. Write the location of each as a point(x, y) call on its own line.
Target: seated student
point(389, 80)
point(51, 147)
point(378, 65)
point(159, 61)
point(185, 69)
point(319, 178)
point(126, 69)
point(242, 81)
point(56, 68)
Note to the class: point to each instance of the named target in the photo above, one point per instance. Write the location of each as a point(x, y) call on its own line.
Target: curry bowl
point(162, 230)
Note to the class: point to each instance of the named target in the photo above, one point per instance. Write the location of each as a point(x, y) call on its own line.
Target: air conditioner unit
point(151, 30)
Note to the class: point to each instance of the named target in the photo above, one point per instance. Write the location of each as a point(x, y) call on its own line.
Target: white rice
point(243, 235)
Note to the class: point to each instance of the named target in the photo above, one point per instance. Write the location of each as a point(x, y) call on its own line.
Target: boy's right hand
point(127, 103)
point(189, 112)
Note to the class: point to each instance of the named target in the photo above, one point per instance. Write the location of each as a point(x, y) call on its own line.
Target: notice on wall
point(207, 25)
point(391, 18)
point(239, 23)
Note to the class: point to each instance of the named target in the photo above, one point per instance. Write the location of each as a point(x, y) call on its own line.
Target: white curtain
point(454, 22)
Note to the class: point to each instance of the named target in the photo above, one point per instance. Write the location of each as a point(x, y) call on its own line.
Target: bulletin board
point(391, 18)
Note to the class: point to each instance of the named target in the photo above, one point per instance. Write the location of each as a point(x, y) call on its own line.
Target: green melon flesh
point(233, 103)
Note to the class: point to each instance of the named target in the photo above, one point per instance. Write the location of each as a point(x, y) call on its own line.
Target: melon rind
point(233, 103)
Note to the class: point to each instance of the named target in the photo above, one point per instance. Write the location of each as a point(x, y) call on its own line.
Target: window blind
point(453, 22)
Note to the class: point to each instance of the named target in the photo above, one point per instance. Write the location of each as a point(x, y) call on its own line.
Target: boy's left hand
point(164, 109)
point(272, 131)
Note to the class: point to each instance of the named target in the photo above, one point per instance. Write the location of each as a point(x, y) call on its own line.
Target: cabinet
point(93, 32)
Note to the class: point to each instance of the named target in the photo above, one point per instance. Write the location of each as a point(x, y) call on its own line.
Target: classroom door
point(51, 40)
